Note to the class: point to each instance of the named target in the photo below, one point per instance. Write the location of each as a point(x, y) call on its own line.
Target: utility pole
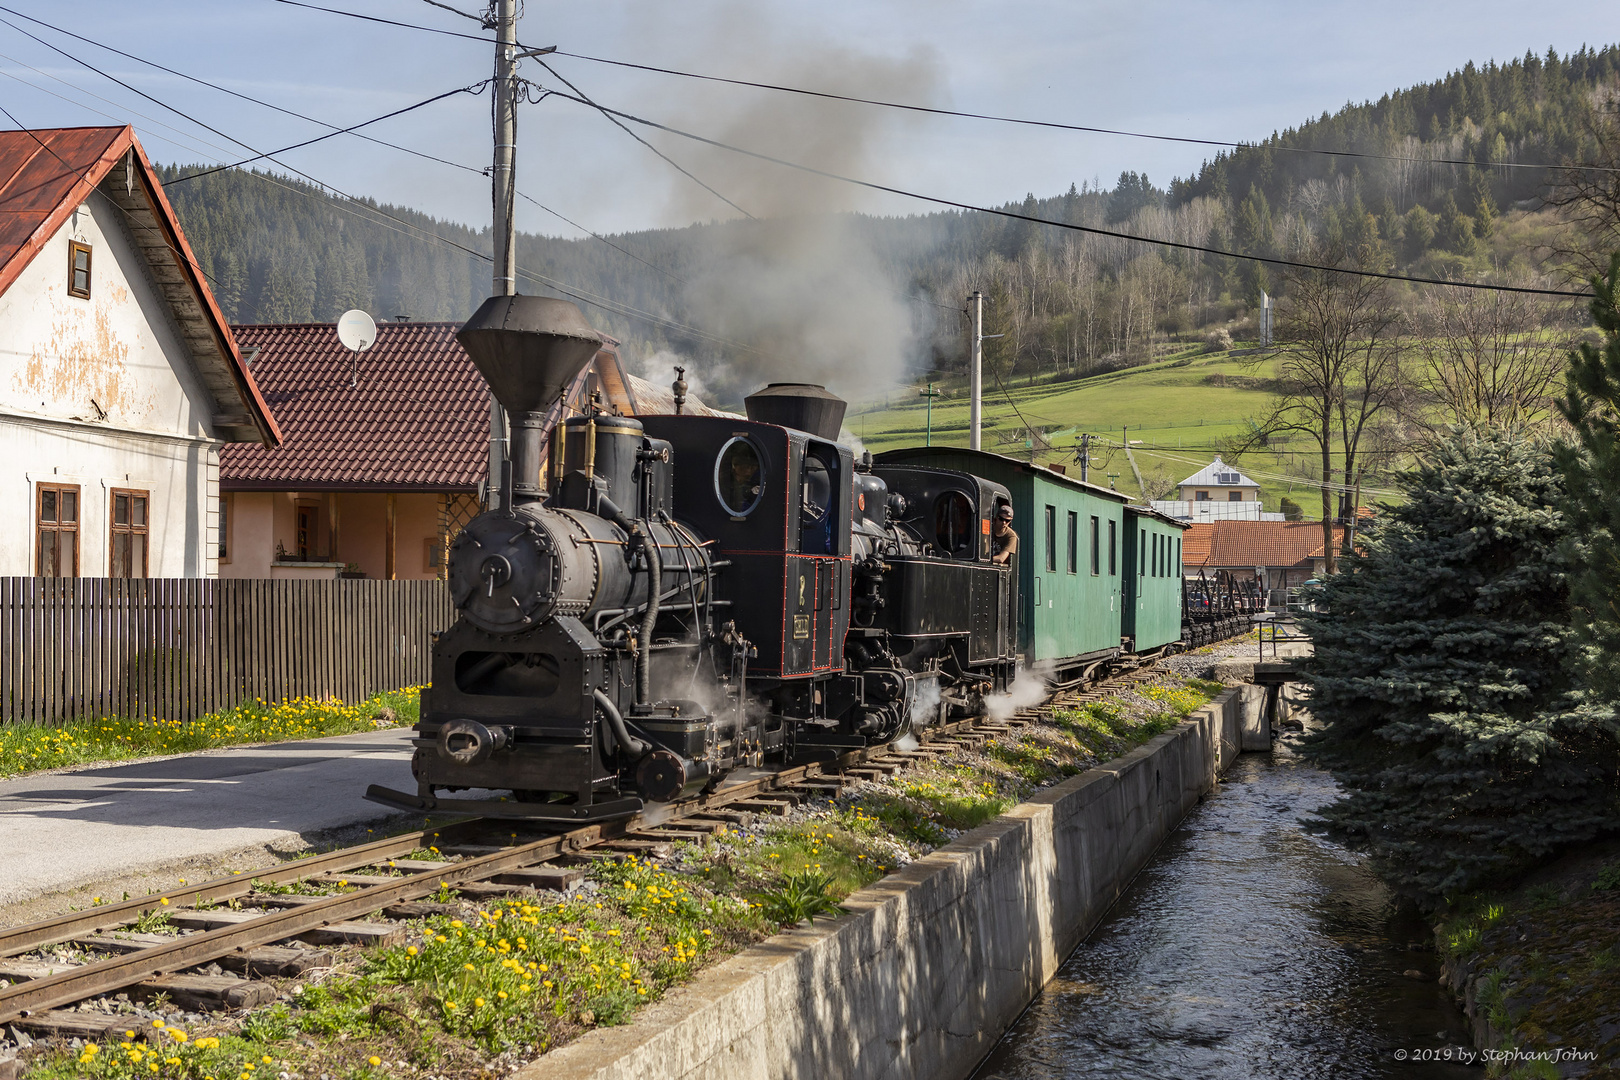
point(1085, 458)
point(502, 186)
point(930, 394)
point(976, 378)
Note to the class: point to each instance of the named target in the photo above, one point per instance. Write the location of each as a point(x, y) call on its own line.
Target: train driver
point(1004, 540)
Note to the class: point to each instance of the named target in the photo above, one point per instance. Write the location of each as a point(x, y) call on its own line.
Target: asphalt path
point(61, 830)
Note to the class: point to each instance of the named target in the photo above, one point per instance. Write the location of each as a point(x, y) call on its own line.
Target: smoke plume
point(803, 289)
point(1026, 691)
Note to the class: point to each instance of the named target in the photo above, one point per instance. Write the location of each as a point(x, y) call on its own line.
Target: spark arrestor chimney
point(806, 406)
point(528, 348)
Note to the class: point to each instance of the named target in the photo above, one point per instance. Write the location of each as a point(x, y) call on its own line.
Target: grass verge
point(31, 747)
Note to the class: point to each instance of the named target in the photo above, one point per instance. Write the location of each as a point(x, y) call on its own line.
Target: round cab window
point(738, 479)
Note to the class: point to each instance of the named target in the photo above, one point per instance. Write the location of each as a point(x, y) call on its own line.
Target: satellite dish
point(356, 330)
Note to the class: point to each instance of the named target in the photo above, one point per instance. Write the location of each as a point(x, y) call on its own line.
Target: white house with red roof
point(121, 381)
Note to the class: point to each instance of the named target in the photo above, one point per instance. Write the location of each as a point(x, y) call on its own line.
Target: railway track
point(242, 929)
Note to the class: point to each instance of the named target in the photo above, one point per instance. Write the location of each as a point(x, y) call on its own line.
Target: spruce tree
point(1591, 466)
point(1442, 677)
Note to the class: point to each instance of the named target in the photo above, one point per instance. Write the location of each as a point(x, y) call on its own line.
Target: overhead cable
point(1091, 229)
point(1056, 125)
point(476, 88)
point(608, 113)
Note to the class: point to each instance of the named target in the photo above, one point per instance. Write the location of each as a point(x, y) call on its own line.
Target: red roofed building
point(383, 452)
point(122, 381)
point(1281, 554)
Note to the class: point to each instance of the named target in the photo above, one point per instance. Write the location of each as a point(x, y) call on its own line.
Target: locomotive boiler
point(690, 594)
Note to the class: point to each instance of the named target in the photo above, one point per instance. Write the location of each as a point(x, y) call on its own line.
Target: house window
point(224, 528)
point(1200, 496)
point(1096, 547)
point(1074, 542)
point(78, 269)
point(1234, 496)
point(57, 527)
point(128, 540)
point(1113, 549)
point(1051, 539)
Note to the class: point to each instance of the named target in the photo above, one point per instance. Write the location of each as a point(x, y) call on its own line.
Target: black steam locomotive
point(694, 594)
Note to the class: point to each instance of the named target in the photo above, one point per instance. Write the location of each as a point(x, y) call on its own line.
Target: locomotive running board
point(502, 808)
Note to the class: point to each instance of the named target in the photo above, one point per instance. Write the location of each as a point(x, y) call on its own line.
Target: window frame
point(1235, 496)
point(222, 526)
point(74, 248)
point(1074, 542)
point(57, 526)
point(759, 458)
point(1096, 546)
point(129, 528)
point(1051, 539)
point(1113, 548)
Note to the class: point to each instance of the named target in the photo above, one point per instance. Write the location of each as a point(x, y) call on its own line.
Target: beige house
point(121, 384)
point(383, 455)
point(1218, 482)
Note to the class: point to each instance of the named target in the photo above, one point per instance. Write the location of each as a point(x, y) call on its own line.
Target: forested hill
point(280, 250)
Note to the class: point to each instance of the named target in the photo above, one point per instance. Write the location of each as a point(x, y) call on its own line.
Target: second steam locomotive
point(698, 593)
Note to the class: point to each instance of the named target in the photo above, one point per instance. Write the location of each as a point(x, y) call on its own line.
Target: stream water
point(1247, 947)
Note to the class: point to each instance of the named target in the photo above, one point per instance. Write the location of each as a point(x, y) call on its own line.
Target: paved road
point(68, 829)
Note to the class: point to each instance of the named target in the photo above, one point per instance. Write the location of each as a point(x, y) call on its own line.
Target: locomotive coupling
point(467, 742)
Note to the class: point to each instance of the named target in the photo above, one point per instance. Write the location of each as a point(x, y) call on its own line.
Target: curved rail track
point(284, 936)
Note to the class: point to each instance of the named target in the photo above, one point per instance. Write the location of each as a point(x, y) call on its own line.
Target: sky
point(1235, 70)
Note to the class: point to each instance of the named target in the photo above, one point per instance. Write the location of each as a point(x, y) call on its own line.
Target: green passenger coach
point(1153, 591)
point(1070, 563)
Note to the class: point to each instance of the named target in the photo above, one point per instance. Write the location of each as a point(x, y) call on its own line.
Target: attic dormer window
point(78, 269)
point(1226, 478)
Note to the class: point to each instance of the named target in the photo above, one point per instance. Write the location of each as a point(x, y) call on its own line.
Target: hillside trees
point(1442, 676)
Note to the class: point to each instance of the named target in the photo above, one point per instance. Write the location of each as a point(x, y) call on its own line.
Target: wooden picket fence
point(177, 648)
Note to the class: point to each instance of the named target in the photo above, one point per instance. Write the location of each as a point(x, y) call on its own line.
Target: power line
point(475, 89)
point(669, 160)
point(215, 86)
point(604, 240)
point(390, 22)
point(1052, 124)
point(1180, 245)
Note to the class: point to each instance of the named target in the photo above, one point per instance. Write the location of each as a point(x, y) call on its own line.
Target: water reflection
point(1246, 948)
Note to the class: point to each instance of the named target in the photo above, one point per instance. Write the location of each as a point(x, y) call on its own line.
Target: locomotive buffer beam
point(503, 808)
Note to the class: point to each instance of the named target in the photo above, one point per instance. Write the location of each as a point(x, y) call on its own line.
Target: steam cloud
point(804, 287)
point(1027, 690)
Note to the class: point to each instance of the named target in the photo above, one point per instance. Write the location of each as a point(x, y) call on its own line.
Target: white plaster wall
point(101, 392)
point(176, 471)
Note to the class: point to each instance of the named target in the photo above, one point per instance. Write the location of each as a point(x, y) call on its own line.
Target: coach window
point(1074, 542)
point(128, 541)
point(954, 522)
point(1096, 547)
point(739, 481)
point(1141, 553)
point(57, 530)
point(1051, 539)
point(1113, 549)
point(78, 270)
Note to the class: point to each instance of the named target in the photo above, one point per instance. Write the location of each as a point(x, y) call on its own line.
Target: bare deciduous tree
point(1490, 359)
point(1339, 368)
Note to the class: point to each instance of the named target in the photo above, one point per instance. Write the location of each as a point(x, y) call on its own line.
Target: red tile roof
point(418, 420)
point(46, 174)
point(1227, 544)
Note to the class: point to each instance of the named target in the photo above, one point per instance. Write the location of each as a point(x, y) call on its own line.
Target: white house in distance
point(1217, 492)
point(120, 379)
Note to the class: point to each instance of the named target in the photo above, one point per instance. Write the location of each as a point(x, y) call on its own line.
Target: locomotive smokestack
point(806, 406)
point(528, 348)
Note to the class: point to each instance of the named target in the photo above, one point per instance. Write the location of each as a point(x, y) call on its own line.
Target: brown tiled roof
point(1223, 544)
point(48, 173)
point(417, 420)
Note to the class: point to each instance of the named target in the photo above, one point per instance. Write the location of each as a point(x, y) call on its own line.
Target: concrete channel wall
point(934, 962)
